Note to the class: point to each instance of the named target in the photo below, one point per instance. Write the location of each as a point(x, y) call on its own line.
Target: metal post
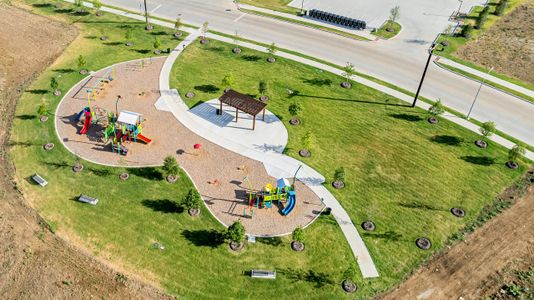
point(302, 7)
point(430, 51)
point(476, 96)
point(146, 13)
point(460, 8)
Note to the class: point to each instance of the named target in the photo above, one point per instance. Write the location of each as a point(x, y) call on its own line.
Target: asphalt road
point(399, 61)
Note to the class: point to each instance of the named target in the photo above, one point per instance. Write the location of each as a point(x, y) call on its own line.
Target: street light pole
point(302, 7)
point(146, 13)
point(476, 96)
point(430, 52)
point(460, 8)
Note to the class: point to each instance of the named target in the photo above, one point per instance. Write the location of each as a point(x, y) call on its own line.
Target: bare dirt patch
point(34, 263)
point(464, 269)
point(508, 45)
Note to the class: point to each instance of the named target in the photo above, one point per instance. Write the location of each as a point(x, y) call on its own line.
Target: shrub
point(298, 235)
point(236, 232)
point(516, 152)
point(487, 129)
point(467, 30)
point(499, 10)
point(170, 166)
point(191, 200)
point(339, 174)
point(294, 109)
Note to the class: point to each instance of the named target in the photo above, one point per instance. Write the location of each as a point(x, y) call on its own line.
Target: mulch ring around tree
point(43, 118)
point(190, 95)
point(346, 85)
point(57, 93)
point(236, 50)
point(236, 246)
point(171, 178)
point(157, 52)
point(204, 41)
point(297, 246)
point(304, 153)
point(264, 98)
point(193, 212)
point(368, 225)
point(149, 27)
point(77, 168)
point(84, 72)
point(103, 38)
point(433, 120)
point(481, 144)
point(423, 243)
point(512, 165)
point(177, 34)
point(349, 286)
point(129, 44)
point(99, 14)
point(389, 29)
point(124, 176)
point(294, 121)
point(458, 212)
point(48, 146)
point(271, 59)
point(338, 184)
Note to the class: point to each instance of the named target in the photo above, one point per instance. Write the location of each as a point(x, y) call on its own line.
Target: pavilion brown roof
point(243, 102)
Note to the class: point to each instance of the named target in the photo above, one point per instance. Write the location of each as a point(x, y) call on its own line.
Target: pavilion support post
point(236, 115)
point(220, 108)
point(254, 123)
point(263, 117)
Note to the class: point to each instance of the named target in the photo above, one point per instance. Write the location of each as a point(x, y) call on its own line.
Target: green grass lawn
point(278, 5)
point(134, 214)
point(402, 172)
point(383, 33)
point(457, 41)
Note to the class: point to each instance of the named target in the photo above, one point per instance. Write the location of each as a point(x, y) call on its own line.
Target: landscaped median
point(400, 172)
point(388, 30)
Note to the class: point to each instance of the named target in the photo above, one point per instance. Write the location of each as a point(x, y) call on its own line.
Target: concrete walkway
point(515, 87)
point(363, 33)
point(276, 164)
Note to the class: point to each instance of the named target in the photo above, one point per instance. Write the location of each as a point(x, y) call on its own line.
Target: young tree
point(487, 129)
point(298, 235)
point(515, 153)
point(348, 72)
point(54, 85)
point(81, 62)
point(262, 87)
point(294, 109)
point(156, 45)
point(467, 30)
point(191, 200)
point(42, 110)
point(339, 174)
point(394, 14)
point(79, 8)
point(228, 81)
point(97, 4)
point(177, 26)
point(307, 140)
point(204, 30)
point(448, 30)
point(272, 49)
point(499, 10)
point(236, 232)
point(436, 110)
point(482, 17)
point(128, 36)
point(171, 168)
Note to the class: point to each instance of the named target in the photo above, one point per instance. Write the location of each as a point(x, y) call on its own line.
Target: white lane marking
point(155, 8)
point(239, 18)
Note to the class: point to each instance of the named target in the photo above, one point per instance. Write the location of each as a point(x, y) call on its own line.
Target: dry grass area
point(508, 45)
point(471, 268)
point(34, 263)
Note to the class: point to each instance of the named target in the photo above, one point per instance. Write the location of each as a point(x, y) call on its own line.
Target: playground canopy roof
point(243, 102)
point(128, 117)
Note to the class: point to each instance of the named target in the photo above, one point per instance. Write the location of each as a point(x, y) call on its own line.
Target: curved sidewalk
point(276, 164)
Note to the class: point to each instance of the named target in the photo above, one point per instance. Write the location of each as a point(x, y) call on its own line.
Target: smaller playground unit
point(127, 128)
point(284, 195)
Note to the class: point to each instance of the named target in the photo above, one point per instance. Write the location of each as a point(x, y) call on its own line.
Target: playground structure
point(283, 193)
point(126, 128)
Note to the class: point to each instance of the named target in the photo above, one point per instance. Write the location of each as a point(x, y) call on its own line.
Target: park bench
point(263, 274)
point(87, 199)
point(39, 180)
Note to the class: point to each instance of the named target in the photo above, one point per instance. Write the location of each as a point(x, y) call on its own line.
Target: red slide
point(144, 139)
point(86, 124)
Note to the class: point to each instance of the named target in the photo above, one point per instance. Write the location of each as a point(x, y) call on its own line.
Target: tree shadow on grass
point(419, 205)
point(215, 49)
point(100, 172)
point(57, 165)
point(479, 160)
point(271, 241)
point(141, 51)
point(318, 82)
point(251, 57)
point(112, 43)
point(21, 144)
point(447, 140)
point(63, 10)
point(148, 173)
point(158, 33)
point(388, 235)
point(207, 88)
point(26, 117)
point(163, 205)
point(204, 238)
point(63, 71)
point(319, 279)
point(296, 93)
point(406, 117)
point(40, 5)
point(37, 91)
